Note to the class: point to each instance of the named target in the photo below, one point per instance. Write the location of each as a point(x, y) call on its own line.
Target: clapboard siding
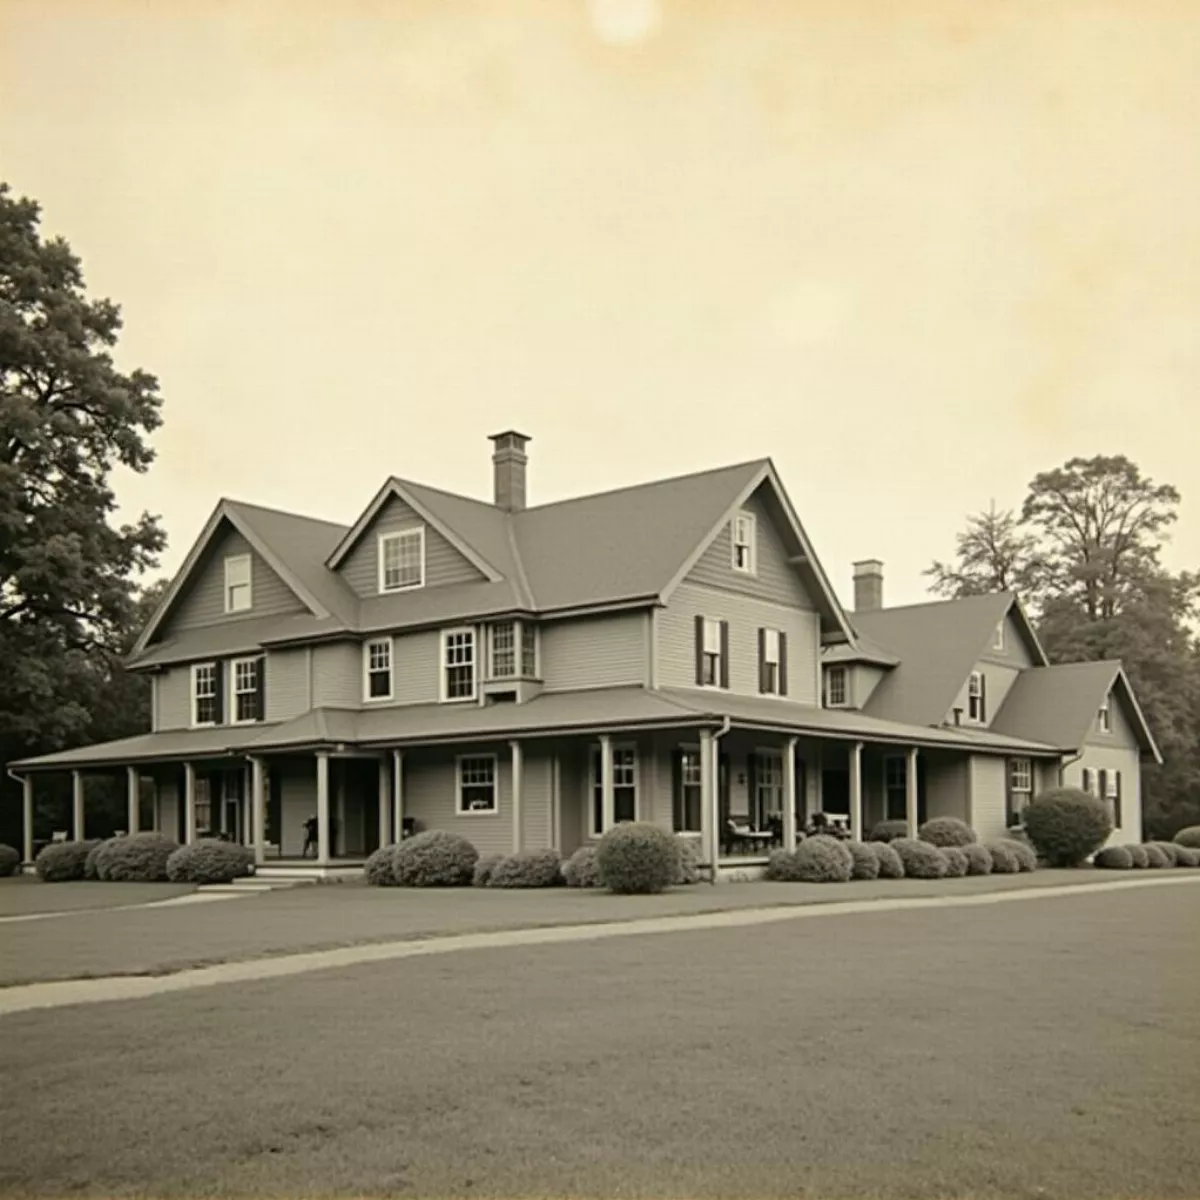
point(1015, 652)
point(1108, 757)
point(998, 680)
point(337, 675)
point(537, 800)
point(415, 670)
point(946, 788)
point(594, 651)
point(288, 683)
point(202, 601)
point(775, 578)
point(174, 698)
point(443, 563)
point(676, 632)
point(431, 796)
point(989, 791)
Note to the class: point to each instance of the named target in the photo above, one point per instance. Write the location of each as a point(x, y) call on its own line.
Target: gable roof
point(1060, 704)
point(937, 645)
point(861, 650)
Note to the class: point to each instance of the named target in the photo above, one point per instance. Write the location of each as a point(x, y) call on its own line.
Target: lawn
point(21, 895)
point(1043, 1048)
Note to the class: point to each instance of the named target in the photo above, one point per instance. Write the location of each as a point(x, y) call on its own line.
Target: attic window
point(977, 698)
point(998, 637)
point(743, 544)
point(1104, 718)
point(402, 560)
point(237, 583)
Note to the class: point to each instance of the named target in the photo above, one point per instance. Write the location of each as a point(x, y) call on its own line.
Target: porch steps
point(251, 885)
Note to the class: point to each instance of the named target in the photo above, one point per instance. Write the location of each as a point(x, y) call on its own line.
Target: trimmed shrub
point(1066, 825)
point(781, 866)
point(580, 870)
point(1026, 855)
point(482, 875)
point(434, 858)
point(979, 859)
point(636, 857)
point(891, 866)
point(823, 859)
point(528, 869)
point(920, 859)
point(888, 831)
point(1114, 858)
point(135, 858)
point(689, 861)
point(956, 861)
point(1190, 837)
point(210, 860)
point(62, 862)
point(866, 864)
point(91, 865)
point(10, 860)
point(377, 870)
point(1187, 856)
point(947, 831)
point(1171, 850)
point(1137, 852)
point(1004, 861)
point(1155, 858)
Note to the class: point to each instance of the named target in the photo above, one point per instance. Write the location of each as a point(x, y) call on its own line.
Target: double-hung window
point(529, 649)
point(1112, 794)
point(977, 697)
point(686, 814)
point(1020, 787)
point(1104, 718)
point(402, 560)
point(624, 775)
point(503, 650)
point(237, 583)
point(377, 669)
point(772, 662)
point(459, 677)
point(743, 543)
point(768, 786)
point(206, 694)
point(835, 687)
point(478, 792)
point(712, 652)
point(246, 690)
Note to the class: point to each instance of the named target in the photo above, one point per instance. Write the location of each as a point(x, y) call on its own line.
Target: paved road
point(1050, 1047)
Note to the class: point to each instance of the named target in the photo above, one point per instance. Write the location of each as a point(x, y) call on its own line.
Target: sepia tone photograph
point(600, 598)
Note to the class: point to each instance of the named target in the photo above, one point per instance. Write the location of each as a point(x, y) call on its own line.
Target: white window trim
point(590, 796)
point(230, 561)
point(998, 637)
point(714, 623)
point(524, 627)
point(515, 626)
point(391, 536)
point(1104, 718)
point(233, 692)
point(458, 787)
point(845, 700)
point(1012, 771)
point(1111, 786)
point(978, 695)
point(752, 523)
point(473, 698)
point(366, 669)
point(195, 670)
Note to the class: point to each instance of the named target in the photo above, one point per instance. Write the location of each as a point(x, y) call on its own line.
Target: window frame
point(396, 535)
point(595, 793)
point(530, 640)
point(459, 810)
point(998, 637)
point(745, 523)
point(770, 672)
point(711, 657)
point(772, 758)
point(232, 560)
point(689, 751)
point(444, 666)
point(194, 699)
point(1104, 718)
point(367, 672)
point(975, 710)
point(513, 649)
point(258, 663)
point(844, 676)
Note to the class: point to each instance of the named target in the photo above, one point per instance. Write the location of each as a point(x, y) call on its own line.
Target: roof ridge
point(282, 512)
point(429, 487)
point(891, 608)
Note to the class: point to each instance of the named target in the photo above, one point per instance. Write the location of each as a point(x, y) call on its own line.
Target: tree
point(993, 554)
point(68, 418)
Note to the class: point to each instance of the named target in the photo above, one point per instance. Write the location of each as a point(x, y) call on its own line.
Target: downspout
point(726, 722)
point(1063, 764)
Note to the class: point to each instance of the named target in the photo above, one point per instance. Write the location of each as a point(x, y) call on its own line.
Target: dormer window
point(504, 650)
point(1104, 718)
point(835, 687)
point(402, 560)
point(744, 558)
point(237, 583)
point(977, 698)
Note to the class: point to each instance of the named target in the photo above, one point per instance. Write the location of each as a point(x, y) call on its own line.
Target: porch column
point(77, 824)
point(27, 814)
point(818, 781)
point(258, 811)
point(322, 808)
point(910, 793)
point(556, 803)
point(189, 803)
point(856, 807)
point(607, 805)
point(385, 803)
point(398, 794)
point(709, 837)
point(133, 784)
point(789, 794)
point(518, 778)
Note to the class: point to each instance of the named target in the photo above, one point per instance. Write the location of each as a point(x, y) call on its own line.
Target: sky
point(915, 253)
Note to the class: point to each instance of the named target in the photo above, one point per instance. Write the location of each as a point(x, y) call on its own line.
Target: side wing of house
point(1110, 766)
point(983, 692)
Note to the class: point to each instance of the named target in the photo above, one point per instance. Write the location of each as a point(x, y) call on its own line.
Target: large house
point(527, 676)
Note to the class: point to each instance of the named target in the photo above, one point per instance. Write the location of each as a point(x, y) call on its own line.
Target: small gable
point(442, 563)
point(1010, 644)
point(1112, 724)
point(255, 590)
point(750, 554)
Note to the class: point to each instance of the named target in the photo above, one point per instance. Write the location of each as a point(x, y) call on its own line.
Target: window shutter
point(762, 660)
point(261, 682)
point(219, 699)
point(982, 698)
point(1087, 779)
point(724, 654)
point(1117, 803)
point(677, 789)
point(782, 663)
point(699, 651)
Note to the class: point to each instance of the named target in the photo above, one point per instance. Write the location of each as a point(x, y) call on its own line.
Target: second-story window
point(835, 687)
point(772, 662)
point(743, 543)
point(458, 664)
point(977, 697)
point(503, 650)
point(206, 694)
point(529, 650)
point(237, 583)
point(378, 663)
point(712, 652)
point(246, 690)
point(402, 560)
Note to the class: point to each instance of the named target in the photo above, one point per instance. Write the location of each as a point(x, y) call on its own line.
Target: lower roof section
point(594, 710)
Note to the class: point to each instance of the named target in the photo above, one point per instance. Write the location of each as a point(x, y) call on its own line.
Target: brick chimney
point(508, 461)
point(868, 585)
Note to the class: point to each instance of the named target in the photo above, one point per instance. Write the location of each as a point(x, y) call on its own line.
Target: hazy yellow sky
point(915, 252)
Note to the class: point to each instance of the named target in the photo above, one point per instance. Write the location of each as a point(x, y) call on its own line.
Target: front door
point(835, 792)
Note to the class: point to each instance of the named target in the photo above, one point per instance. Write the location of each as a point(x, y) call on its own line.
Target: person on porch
point(310, 837)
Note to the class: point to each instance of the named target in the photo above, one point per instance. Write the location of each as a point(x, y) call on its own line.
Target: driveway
point(1050, 1047)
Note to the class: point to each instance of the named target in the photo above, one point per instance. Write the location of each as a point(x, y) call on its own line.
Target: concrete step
point(252, 885)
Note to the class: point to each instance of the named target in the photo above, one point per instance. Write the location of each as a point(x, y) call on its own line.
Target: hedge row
point(823, 859)
point(1149, 854)
point(144, 858)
